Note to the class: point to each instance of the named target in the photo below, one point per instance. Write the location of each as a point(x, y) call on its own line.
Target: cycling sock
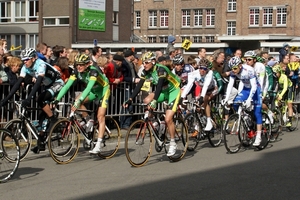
point(99, 140)
point(258, 134)
point(172, 141)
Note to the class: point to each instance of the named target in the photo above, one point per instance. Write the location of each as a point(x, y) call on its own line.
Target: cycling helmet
point(28, 53)
point(250, 54)
point(260, 59)
point(277, 69)
point(178, 60)
point(148, 56)
point(234, 61)
point(204, 62)
point(82, 59)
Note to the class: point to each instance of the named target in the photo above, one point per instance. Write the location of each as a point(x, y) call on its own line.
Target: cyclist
point(181, 70)
point(40, 73)
point(209, 88)
point(97, 87)
point(285, 91)
point(248, 90)
point(167, 89)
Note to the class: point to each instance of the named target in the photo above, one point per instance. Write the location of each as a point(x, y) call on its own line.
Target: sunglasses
point(25, 60)
point(235, 67)
point(203, 68)
point(146, 62)
point(249, 59)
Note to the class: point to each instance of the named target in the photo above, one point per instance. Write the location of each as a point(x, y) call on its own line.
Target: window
point(197, 39)
point(152, 18)
point(60, 21)
point(268, 16)
point(33, 40)
point(184, 37)
point(115, 16)
point(63, 21)
point(209, 39)
point(198, 16)
point(254, 17)
point(210, 17)
point(164, 18)
point(33, 10)
point(186, 18)
point(19, 40)
point(281, 16)
point(231, 6)
point(20, 11)
point(231, 28)
point(138, 19)
point(163, 39)
point(152, 39)
point(5, 12)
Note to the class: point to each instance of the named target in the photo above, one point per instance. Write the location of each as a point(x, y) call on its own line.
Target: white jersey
point(206, 82)
point(260, 71)
point(247, 78)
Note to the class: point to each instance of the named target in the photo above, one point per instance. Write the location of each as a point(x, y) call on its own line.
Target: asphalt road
point(207, 173)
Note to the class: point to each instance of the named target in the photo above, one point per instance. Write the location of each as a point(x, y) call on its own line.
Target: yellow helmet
point(148, 56)
point(82, 59)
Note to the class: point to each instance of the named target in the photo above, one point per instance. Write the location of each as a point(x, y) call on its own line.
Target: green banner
point(91, 15)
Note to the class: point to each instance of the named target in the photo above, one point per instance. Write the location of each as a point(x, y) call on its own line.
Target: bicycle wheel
point(276, 125)
point(22, 134)
point(9, 155)
point(111, 140)
point(233, 134)
point(265, 132)
point(63, 141)
point(181, 139)
point(193, 125)
point(294, 119)
point(138, 143)
point(215, 136)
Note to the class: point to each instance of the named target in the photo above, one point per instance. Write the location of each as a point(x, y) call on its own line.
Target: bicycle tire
point(215, 136)
point(294, 120)
point(266, 132)
point(181, 139)
point(233, 134)
point(9, 150)
point(111, 139)
point(138, 143)
point(22, 134)
point(193, 123)
point(276, 125)
point(63, 141)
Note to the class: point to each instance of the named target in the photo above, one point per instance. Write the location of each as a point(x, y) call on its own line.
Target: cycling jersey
point(284, 84)
point(206, 82)
point(97, 85)
point(41, 68)
point(167, 85)
point(260, 71)
point(183, 74)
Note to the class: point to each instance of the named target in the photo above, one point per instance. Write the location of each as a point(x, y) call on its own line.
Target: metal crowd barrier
point(117, 97)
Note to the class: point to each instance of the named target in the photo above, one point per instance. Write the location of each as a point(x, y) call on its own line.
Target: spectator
point(13, 69)
point(49, 54)
point(201, 55)
point(130, 77)
point(283, 51)
point(3, 43)
point(171, 42)
point(96, 53)
point(172, 53)
point(41, 49)
point(58, 51)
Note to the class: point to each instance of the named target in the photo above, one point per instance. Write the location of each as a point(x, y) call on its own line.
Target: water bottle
point(44, 125)
point(35, 123)
point(89, 126)
point(82, 124)
point(162, 127)
point(155, 125)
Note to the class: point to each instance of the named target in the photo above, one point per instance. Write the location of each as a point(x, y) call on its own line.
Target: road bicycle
point(282, 107)
point(9, 155)
point(64, 136)
point(143, 133)
point(24, 129)
point(241, 130)
point(196, 121)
